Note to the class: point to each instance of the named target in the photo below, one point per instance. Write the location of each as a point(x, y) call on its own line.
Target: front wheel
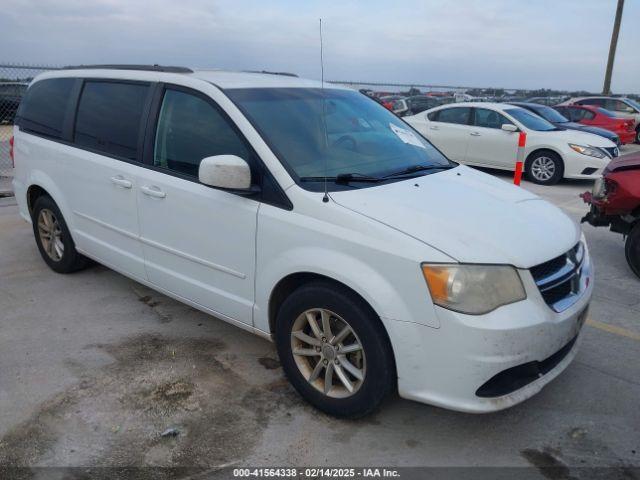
point(334, 350)
point(632, 249)
point(545, 168)
point(638, 134)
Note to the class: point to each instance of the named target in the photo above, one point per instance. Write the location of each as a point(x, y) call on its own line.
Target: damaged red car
point(615, 203)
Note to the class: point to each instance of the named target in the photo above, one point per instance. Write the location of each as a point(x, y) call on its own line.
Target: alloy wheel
point(50, 234)
point(328, 353)
point(543, 168)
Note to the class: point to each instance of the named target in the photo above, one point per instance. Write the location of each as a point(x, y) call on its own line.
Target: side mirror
point(229, 172)
point(508, 127)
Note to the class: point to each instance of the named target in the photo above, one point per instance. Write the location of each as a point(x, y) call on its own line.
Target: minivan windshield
point(531, 120)
point(336, 134)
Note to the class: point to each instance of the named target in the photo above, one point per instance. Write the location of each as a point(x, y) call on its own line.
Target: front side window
point(45, 105)
point(459, 115)
point(109, 115)
point(326, 133)
point(486, 118)
point(191, 129)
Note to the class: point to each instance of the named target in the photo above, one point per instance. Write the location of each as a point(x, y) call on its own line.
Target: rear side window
point(190, 129)
point(109, 117)
point(592, 101)
point(45, 105)
point(578, 114)
point(459, 115)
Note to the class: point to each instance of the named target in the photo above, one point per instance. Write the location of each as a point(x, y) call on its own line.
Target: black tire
point(70, 260)
point(632, 249)
point(379, 377)
point(544, 156)
point(638, 134)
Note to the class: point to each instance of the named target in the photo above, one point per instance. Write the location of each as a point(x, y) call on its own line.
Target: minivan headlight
point(473, 289)
point(589, 151)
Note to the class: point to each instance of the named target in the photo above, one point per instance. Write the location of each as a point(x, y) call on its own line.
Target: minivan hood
point(470, 216)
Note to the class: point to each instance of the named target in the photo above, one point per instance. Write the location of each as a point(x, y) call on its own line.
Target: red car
point(615, 203)
point(599, 117)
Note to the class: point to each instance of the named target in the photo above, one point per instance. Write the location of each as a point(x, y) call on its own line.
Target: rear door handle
point(475, 134)
point(120, 181)
point(153, 191)
point(433, 127)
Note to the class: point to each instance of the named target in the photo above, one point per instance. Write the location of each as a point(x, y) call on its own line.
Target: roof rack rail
point(150, 68)
point(266, 72)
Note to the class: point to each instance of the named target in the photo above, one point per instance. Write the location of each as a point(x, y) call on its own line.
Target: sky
point(561, 44)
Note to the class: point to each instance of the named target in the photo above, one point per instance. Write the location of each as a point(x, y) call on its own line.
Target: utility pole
point(606, 89)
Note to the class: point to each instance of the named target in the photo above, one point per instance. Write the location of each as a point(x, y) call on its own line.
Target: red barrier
point(517, 176)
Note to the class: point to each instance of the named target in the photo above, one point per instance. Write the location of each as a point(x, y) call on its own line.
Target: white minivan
point(311, 216)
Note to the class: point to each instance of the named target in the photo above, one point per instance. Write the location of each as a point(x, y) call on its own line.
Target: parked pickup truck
point(615, 203)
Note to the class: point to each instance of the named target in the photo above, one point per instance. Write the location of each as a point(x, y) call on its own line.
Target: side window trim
point(69, 122)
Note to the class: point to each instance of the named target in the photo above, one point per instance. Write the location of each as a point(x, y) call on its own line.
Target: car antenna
point(325, 197)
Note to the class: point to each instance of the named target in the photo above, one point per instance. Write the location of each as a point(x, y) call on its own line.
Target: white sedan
point(485, 135)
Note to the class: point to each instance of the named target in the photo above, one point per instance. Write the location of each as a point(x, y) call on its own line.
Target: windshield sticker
point(406, 136)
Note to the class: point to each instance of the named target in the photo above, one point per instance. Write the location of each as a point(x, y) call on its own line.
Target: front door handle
point(120, 181)
point(433, 127)
point(475, 134)
point(153, 191)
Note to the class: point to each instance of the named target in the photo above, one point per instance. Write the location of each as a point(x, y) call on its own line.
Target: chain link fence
point(14, 79)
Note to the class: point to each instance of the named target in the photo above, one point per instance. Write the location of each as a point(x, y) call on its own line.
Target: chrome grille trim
point(570, 279)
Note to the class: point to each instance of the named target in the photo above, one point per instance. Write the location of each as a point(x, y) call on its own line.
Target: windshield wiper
point(416, 169)
point(343, 178)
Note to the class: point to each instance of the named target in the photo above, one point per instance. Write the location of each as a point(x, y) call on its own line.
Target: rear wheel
point(638, 134)
point(54, 239)
point(334, 350)
point(544, 168)
point(632, 249)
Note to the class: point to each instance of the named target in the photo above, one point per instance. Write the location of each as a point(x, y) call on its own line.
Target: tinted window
point(109, 116)
point(44, 106)
point(459, 115)
point(190, 129)
point(489, 119)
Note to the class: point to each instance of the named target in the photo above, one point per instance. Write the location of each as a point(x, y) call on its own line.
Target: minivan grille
point(559, 279)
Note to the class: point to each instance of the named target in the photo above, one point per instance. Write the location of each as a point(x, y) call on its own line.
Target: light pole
point(606, 89)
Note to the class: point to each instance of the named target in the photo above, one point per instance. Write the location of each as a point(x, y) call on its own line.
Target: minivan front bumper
point(484, 363)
